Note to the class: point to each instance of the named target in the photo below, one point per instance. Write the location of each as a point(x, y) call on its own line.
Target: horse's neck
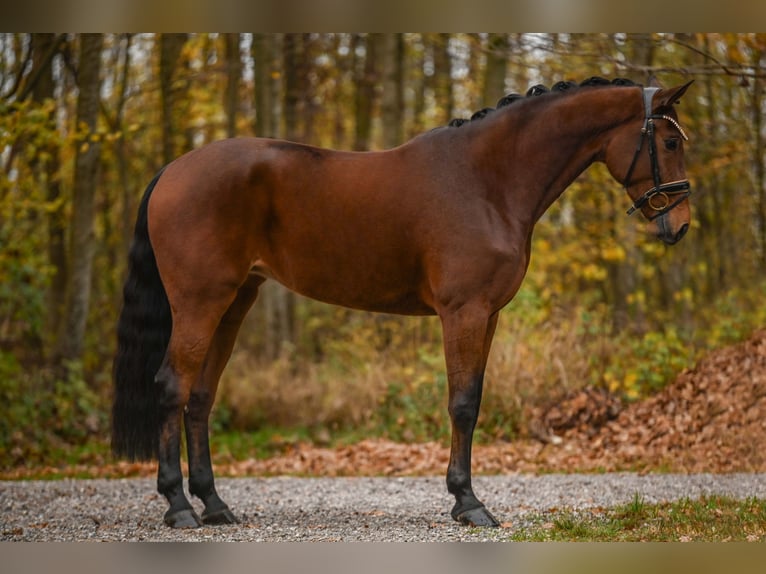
point(551, 146)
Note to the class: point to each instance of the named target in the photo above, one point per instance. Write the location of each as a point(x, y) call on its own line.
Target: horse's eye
point(671, 144)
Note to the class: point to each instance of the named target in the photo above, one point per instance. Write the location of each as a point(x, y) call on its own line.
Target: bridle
point(659, 197)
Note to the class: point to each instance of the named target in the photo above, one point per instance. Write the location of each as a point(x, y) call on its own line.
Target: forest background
point(86, 120)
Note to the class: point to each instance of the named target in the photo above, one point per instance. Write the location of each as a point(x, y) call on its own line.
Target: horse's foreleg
point(201, 480)
point(467, 337)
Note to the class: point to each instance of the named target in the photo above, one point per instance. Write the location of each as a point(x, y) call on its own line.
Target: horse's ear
point(665, 98)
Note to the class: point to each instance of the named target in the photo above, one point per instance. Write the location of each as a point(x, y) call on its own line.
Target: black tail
point(143, 333)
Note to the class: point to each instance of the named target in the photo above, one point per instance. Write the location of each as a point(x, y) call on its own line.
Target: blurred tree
point(495, 69)
point(47, 164)
point(758, 54)
point(442, 85)
point(419, 75)
point(87, 155)
point(391, 49)
point(233, 79)
point(119, 128)
point(171, 46)
point(15, 64)
point(117, 205)
point(267, 78)
point(295, 93)
point(366, 73)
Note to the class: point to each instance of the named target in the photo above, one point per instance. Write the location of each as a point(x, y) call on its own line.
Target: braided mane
point(539, 90)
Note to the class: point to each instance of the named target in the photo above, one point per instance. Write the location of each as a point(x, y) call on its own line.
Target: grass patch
point(265, 443)
point(707, 519)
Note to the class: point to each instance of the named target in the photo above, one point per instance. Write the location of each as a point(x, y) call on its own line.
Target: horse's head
point(647, 156)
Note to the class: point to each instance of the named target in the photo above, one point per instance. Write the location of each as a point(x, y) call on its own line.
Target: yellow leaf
point(593, 272)
point(613, 253)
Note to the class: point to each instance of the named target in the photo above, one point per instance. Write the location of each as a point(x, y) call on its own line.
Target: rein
point(659, 197)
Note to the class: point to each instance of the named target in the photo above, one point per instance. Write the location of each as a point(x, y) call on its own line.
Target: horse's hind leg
point(201, 481)
point(195, 320)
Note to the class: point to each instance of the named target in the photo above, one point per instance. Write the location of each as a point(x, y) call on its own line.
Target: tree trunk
point(495, 69)
point(642, 48)
point(81, 241)
point(294, 84)
point(118, 203)
point(756, 104)
point(442, 78)
point(170, 50)
point(310, 106)
point(121, 152)
point(366, 79)
point(392, 100)
point(345, 64)
point(233, 76)
point(707, 203)
point(267, 105)
point(44, 47)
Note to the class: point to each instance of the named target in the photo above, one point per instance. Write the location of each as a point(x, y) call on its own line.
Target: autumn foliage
point(605, 310)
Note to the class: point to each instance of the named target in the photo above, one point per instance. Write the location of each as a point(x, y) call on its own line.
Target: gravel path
point(332, 509)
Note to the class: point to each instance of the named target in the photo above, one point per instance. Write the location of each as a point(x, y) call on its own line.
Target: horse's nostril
point(682, 231)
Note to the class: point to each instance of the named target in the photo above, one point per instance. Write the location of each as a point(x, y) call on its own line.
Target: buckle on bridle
point(681, 188)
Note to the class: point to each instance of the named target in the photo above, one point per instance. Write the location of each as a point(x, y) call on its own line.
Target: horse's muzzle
point(668, 235)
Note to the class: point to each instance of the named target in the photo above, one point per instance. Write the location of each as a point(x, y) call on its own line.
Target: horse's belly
point(356, 287)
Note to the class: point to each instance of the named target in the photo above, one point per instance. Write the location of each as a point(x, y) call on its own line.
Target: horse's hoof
point(185, 518)
point(479, 516)
point(221, 516)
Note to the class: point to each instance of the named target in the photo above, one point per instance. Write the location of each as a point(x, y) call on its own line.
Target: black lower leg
point(169, 477)
point(464, 410)
point(201, 480)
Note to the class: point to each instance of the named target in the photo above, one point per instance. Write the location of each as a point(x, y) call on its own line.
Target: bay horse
point(441, 225)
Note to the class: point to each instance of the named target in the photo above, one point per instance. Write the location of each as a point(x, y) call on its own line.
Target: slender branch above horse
point(441, 225)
